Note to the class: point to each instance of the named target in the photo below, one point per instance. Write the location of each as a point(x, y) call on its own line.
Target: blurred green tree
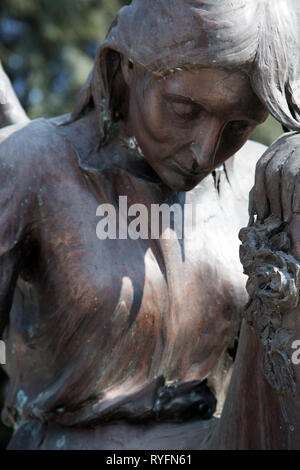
point(267, 132)
point(47, 48)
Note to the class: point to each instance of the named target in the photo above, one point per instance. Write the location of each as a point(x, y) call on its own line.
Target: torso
point(102, 320)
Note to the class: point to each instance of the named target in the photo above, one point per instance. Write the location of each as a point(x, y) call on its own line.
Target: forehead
point(215, 89)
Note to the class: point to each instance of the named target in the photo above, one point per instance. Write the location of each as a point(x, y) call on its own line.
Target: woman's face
point(190, 122)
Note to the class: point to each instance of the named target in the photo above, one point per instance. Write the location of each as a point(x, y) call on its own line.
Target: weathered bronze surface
point(262, 408)
point(130, 344)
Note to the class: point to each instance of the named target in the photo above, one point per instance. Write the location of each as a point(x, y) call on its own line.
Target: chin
point(181, 183)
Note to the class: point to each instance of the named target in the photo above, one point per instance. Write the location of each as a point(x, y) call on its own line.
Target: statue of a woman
point(124, 343)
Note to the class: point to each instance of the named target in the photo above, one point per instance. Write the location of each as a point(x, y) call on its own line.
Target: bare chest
point(179, 295)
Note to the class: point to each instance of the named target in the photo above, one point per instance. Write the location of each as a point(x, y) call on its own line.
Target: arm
point(9, 263)
point(13, 218)
point(262, 408)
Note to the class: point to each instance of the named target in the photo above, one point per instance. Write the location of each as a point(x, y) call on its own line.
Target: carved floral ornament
point(273, 286)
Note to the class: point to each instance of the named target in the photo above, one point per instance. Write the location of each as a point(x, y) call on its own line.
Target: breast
point(104, 318)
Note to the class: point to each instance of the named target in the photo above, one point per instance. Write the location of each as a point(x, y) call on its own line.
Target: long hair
point(275, 73)
point(258, 37)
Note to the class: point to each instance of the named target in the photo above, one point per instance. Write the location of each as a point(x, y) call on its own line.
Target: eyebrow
point(175, 96)
point(181, 97)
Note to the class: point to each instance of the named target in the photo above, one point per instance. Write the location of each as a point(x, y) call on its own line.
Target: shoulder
point(32, 156)
point(36, 144)
point(34, 160)
point(288, 142)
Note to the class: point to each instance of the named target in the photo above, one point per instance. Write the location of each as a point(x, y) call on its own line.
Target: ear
point(127, 70)
point(108, 88)
point(115, 84)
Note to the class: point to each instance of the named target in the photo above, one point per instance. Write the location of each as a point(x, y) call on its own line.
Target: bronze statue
point(129, 343)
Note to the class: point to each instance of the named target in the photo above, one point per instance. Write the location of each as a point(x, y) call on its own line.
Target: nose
point(205, 145)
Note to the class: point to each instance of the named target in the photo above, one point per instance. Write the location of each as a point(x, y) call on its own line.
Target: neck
point(122, 151)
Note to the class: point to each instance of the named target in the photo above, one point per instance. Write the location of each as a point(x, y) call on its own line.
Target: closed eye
point(183, 107)
point(185, 110)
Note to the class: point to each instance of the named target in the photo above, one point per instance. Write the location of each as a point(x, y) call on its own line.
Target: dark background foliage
point(47, 48)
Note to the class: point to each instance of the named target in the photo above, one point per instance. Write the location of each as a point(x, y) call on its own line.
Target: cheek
point(152, 121)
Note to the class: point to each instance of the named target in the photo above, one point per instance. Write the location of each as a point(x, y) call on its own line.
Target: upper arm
point(32, 158)
point(9, 270)
point(14, 217)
